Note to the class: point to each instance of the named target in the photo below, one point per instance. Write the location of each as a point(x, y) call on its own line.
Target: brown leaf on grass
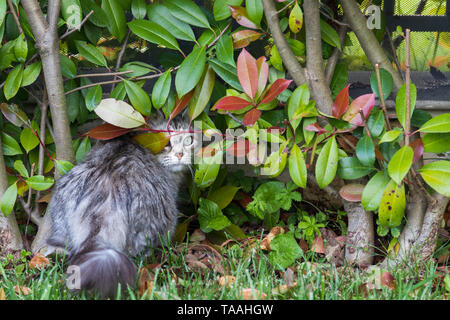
point(38, 261)
point(2, 294)
point(253, 294)
point(226, 281)
point(317, 246)
point(145, 284)
point(303, 245)
point(22, 290)
point(283, 289)
point(265, 244)
point(387, 280)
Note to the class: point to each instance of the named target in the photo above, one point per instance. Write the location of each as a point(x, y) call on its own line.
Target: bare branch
point(13, 12)
point(78, 28)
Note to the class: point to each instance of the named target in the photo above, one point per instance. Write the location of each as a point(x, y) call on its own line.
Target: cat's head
point(179, 152)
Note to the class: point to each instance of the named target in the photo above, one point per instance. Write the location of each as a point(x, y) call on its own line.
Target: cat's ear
point(156, 119)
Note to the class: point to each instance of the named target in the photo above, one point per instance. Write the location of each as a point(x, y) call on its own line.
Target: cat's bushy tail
point(101, 268)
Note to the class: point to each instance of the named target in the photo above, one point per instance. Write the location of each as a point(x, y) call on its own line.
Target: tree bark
point(368, 41)
point(10, 238)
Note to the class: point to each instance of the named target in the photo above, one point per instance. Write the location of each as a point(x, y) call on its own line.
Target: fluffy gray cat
point(117, 202)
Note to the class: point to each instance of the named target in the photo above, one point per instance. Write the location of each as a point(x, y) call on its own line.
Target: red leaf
point(418, 148)
point(231, 103)
point(180, 105)
point(251, 117)
point(240, 148)
point(106, 131)
point(352, 192)
point(240, 15)
point(245, 200)
point(247, 72)
point(243, 38)
point(277, 87)
point(364, 103)
point(263, 73)
point(341, 103)
point(315, 128)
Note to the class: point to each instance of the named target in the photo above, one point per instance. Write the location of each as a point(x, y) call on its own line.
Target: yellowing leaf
point(153, 141)
point(119, 113)
point(296, 19)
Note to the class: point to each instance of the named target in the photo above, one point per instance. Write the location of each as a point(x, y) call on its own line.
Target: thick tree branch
point(314, 62)
point(368, 41)
point(289, 59)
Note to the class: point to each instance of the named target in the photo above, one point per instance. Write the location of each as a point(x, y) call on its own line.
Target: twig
point(380, 90)
point(394, 53)
point(78, 28)
point(361, 113)
point(218, 37)
point(286, 6)
point(88, 75)
point(120, 55)
point(408, 88)
point(16, 18)
point(343, 24)
point(234, 118)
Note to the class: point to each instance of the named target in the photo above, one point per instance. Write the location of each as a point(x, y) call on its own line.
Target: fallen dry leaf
point(253, 294)
point(145, 285)
point(38, 261)
point(265, 244)
point(387, 280)
point(226, 281)
point(317, 246)
point(2, 294)
point(22, 290)
point(303, 245)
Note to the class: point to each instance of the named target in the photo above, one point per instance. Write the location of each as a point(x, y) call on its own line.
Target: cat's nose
point(179, 155)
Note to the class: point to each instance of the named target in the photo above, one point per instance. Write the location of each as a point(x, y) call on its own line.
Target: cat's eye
point(188, 141)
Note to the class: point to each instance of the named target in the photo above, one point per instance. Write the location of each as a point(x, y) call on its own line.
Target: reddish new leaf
point(352, 192)
point(251, 117)
point(231, 103)
point(263, 73)
point(240, 15)
point(364, 103)
point(240, 148)
point(418, 148)
point(315, 128)
point(243, 38)
point(341, 103)
point(106, 132)
point(247, 72)
point(277, 87)
point(180, 105)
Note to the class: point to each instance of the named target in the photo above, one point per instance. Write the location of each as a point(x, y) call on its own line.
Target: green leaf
point(391, 135)
point(224, 50)
point(13, 82)
point(221, 10)
point(8, 200)
point(115, 17)
point(254, 10)
point(400, 103)
point(119, 113)
point(14, 115)
point(202, 93)
point(208, 169)
point(210, 216)
point(437, 175)
point(159, 14)
point(436, 142)
point(227, 72)
point(10, 146)
point(400, 163)
point(438, 124)
point(327, 163)
point(419, 117)
point(392, 205)
point(387, 83)
point(40, 183)
point(375, 122)
point(154, 33)
point(2, 12)
point(20, 167)
point(373, 191)
point(68, 68)
point(71, 12)
point(284, 251)
point(350, 168)
point(119, 92)
point(28, 140)
point(99, 17)
point(139, 68)
point(63, 166)
point(161, 89)
point(365, 151)
point(297, 102)
point(297, 167)
point(190, 72)
point(21, 48)
point(83, 149)
point(187, 11)
point(223, 196)
point(329, 35)
point(31, 73)
point(93, 97)
point(138, 8)
point(90, 53)
point(275, 162)
point(138, 97)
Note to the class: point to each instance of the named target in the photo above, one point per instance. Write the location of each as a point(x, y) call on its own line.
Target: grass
point(313, 279)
